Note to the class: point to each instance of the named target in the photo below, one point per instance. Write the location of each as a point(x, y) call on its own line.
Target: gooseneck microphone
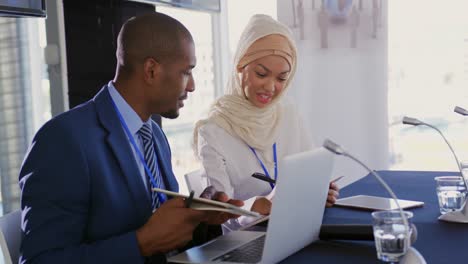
point(460, 110)
point(417, 122)
point(338, 150)
point(459, 216)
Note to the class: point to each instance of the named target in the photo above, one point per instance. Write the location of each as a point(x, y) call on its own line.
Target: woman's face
point(263, 80)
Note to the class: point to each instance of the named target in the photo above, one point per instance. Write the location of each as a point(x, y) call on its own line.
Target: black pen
point(263, 177)
point(188, 200)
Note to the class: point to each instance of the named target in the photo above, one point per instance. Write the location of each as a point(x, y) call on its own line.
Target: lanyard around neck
point(153, 183)
point(263, 165)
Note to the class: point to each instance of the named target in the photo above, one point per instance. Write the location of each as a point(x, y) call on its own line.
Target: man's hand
point(333, 193)
point(216, 217)
point(170, 227)
point(262, 206)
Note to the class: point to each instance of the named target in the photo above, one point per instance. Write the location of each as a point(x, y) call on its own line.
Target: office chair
point(10, 236)
point(196, 181)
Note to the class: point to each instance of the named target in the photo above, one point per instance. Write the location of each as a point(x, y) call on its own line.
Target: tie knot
point(145, 132)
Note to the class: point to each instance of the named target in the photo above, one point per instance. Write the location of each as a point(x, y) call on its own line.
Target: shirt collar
point(129, 115)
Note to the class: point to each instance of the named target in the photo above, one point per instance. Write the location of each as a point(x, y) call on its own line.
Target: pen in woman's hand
point(188, 200)
point(263, 177)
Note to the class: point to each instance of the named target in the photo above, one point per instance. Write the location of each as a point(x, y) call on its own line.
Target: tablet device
point(367, 202)
point(207, 204)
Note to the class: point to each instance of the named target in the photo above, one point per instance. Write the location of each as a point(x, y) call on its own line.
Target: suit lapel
point(118, 142)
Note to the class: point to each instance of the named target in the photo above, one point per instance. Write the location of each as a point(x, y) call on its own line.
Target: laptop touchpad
point(223, 245)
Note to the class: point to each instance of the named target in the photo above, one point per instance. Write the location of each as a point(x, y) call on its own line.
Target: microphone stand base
point(456, 216)
point(412, 256)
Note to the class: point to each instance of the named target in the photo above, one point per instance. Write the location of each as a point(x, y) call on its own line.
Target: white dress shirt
point(229, 162)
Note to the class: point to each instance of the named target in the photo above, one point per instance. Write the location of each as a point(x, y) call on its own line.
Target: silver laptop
point(295, 218)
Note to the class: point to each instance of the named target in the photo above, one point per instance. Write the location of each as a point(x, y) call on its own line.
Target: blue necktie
point(152, 162)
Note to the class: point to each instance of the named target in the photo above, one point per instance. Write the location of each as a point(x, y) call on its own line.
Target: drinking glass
point(451, 193)
point(391, 240)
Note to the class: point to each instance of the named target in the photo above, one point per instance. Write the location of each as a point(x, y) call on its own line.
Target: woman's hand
point(333, 193)
point(262, 206)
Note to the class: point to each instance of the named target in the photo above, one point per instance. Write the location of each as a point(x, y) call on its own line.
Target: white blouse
point(229, 162)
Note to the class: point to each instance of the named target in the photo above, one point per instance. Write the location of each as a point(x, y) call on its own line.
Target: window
point(24, 98)
point(239, 15)
point(428, 77)
point(179, 131)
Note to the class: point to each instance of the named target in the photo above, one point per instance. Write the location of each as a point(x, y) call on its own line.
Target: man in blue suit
point(86, 180)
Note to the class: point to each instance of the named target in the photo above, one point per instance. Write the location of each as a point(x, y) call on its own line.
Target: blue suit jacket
point(82, 194)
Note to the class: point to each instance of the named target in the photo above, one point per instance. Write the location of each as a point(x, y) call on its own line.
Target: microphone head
point(333, 147)
point(460, 111)
point(411, 121)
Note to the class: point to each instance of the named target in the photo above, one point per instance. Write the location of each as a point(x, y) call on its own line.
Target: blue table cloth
point(438, 241)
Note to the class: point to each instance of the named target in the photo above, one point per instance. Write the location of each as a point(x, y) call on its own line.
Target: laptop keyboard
point(247, 253)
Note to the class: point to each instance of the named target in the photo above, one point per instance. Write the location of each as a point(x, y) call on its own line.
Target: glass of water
point(451, 193)
point(391, 240)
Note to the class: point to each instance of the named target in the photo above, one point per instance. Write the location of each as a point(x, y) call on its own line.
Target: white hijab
point(257, 127)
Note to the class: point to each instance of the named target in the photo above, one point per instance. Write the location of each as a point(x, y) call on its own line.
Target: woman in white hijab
point(251, 126)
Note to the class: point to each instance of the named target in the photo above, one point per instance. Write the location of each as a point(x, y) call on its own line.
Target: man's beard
point(171, 114)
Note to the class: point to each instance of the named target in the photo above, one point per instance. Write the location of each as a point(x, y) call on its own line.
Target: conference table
point(437, 241)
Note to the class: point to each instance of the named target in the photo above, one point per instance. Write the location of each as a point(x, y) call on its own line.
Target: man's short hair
point(154, 35)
